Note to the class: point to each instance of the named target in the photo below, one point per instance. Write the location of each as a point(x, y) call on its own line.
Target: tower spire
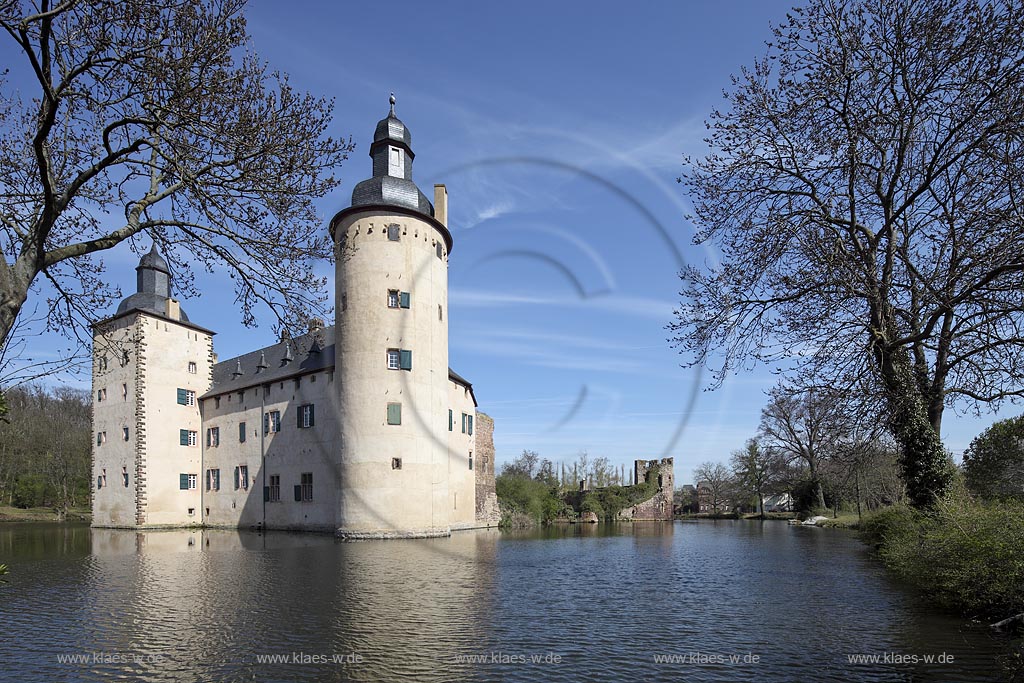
point(392, 101)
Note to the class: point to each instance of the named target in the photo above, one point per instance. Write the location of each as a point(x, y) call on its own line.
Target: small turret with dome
point(153, 281)
point(392, 184)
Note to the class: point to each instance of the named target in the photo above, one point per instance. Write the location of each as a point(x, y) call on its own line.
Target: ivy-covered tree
point(863, 185)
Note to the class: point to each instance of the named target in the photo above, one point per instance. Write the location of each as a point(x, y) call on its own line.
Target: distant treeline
point(45, 448)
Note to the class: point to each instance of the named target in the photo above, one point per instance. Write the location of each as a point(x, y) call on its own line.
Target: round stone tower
point(391, 326)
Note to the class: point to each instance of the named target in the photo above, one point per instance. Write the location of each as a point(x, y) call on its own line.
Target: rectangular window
point(403, 299)
point(307, 486)
point(272, 422)
point(99, 438)
point(242, 478)
point(124, 391)
point(216, 402)
point(124, 358)
point(213, 480)
point(440, 251)
point(274, 494)
point(305, 416)
point(124, 433)
point(471, 460)
point(392, 298)
point(241, 395)
point(192, 367)
point(241, 432)
point(99, 395)
point(470, 425)
point(394, 413)
point(187, 437)
point(406, 360)
point(186, 397)
point(451, 419)
point(393, 232)
point(213, 437)
point(464, 416)
point(187, 482)
point(124, 476)
point(394, 359)
point(396, 463)
point(103, 362)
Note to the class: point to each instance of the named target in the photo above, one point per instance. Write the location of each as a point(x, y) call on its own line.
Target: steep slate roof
point(312, 352)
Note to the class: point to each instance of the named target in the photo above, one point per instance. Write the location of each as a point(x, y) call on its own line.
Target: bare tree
point(154, 118)
point(757, 471)
point(804, 426)
point(863, 186)
point(714, 483)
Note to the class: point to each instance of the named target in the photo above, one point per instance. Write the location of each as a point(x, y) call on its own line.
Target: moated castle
point(360, 428)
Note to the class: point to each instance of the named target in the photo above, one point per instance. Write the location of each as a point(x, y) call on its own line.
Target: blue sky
point(559, 130)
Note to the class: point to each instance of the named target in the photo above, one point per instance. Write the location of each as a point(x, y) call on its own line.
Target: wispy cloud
point(643, 307)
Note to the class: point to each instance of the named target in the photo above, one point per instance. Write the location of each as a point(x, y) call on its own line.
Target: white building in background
point(360, 428)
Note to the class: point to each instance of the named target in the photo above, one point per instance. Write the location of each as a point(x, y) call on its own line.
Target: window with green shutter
point(405, 361)
point(394, 413)
point(470, 419)
point(183, 482)
point(183, 436)
point(451, 419)
point(182, 397)
point(241, 432)
point(403, 299)
point(236, 478)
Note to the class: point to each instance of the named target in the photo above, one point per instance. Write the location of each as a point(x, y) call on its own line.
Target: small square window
point(393, 232)
point(396, 463)
point(392, 298)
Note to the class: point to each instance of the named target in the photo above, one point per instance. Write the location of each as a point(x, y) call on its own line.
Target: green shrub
point(591, 503)
point(966, 555)
point(520, 494)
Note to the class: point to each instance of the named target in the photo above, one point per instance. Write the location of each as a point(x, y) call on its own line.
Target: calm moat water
point(587, 603)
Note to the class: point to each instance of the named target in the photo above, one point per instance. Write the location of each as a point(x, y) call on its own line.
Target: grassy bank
point(965, 554)
point(13, 514)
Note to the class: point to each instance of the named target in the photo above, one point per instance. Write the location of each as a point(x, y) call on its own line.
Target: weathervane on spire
point(392, 101)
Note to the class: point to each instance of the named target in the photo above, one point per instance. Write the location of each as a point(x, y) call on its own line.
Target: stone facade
point(359, 428)
point(660, 506)
point(487, 511)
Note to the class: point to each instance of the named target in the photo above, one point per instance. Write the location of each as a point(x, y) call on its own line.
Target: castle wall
point(148, 359)
point(487, 512)
point(394, 477)
point(659, 507)
point(461, 449)
point(287, 454)
point(114, 406)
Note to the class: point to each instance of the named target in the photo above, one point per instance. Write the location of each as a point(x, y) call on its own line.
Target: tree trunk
point(923, 460)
